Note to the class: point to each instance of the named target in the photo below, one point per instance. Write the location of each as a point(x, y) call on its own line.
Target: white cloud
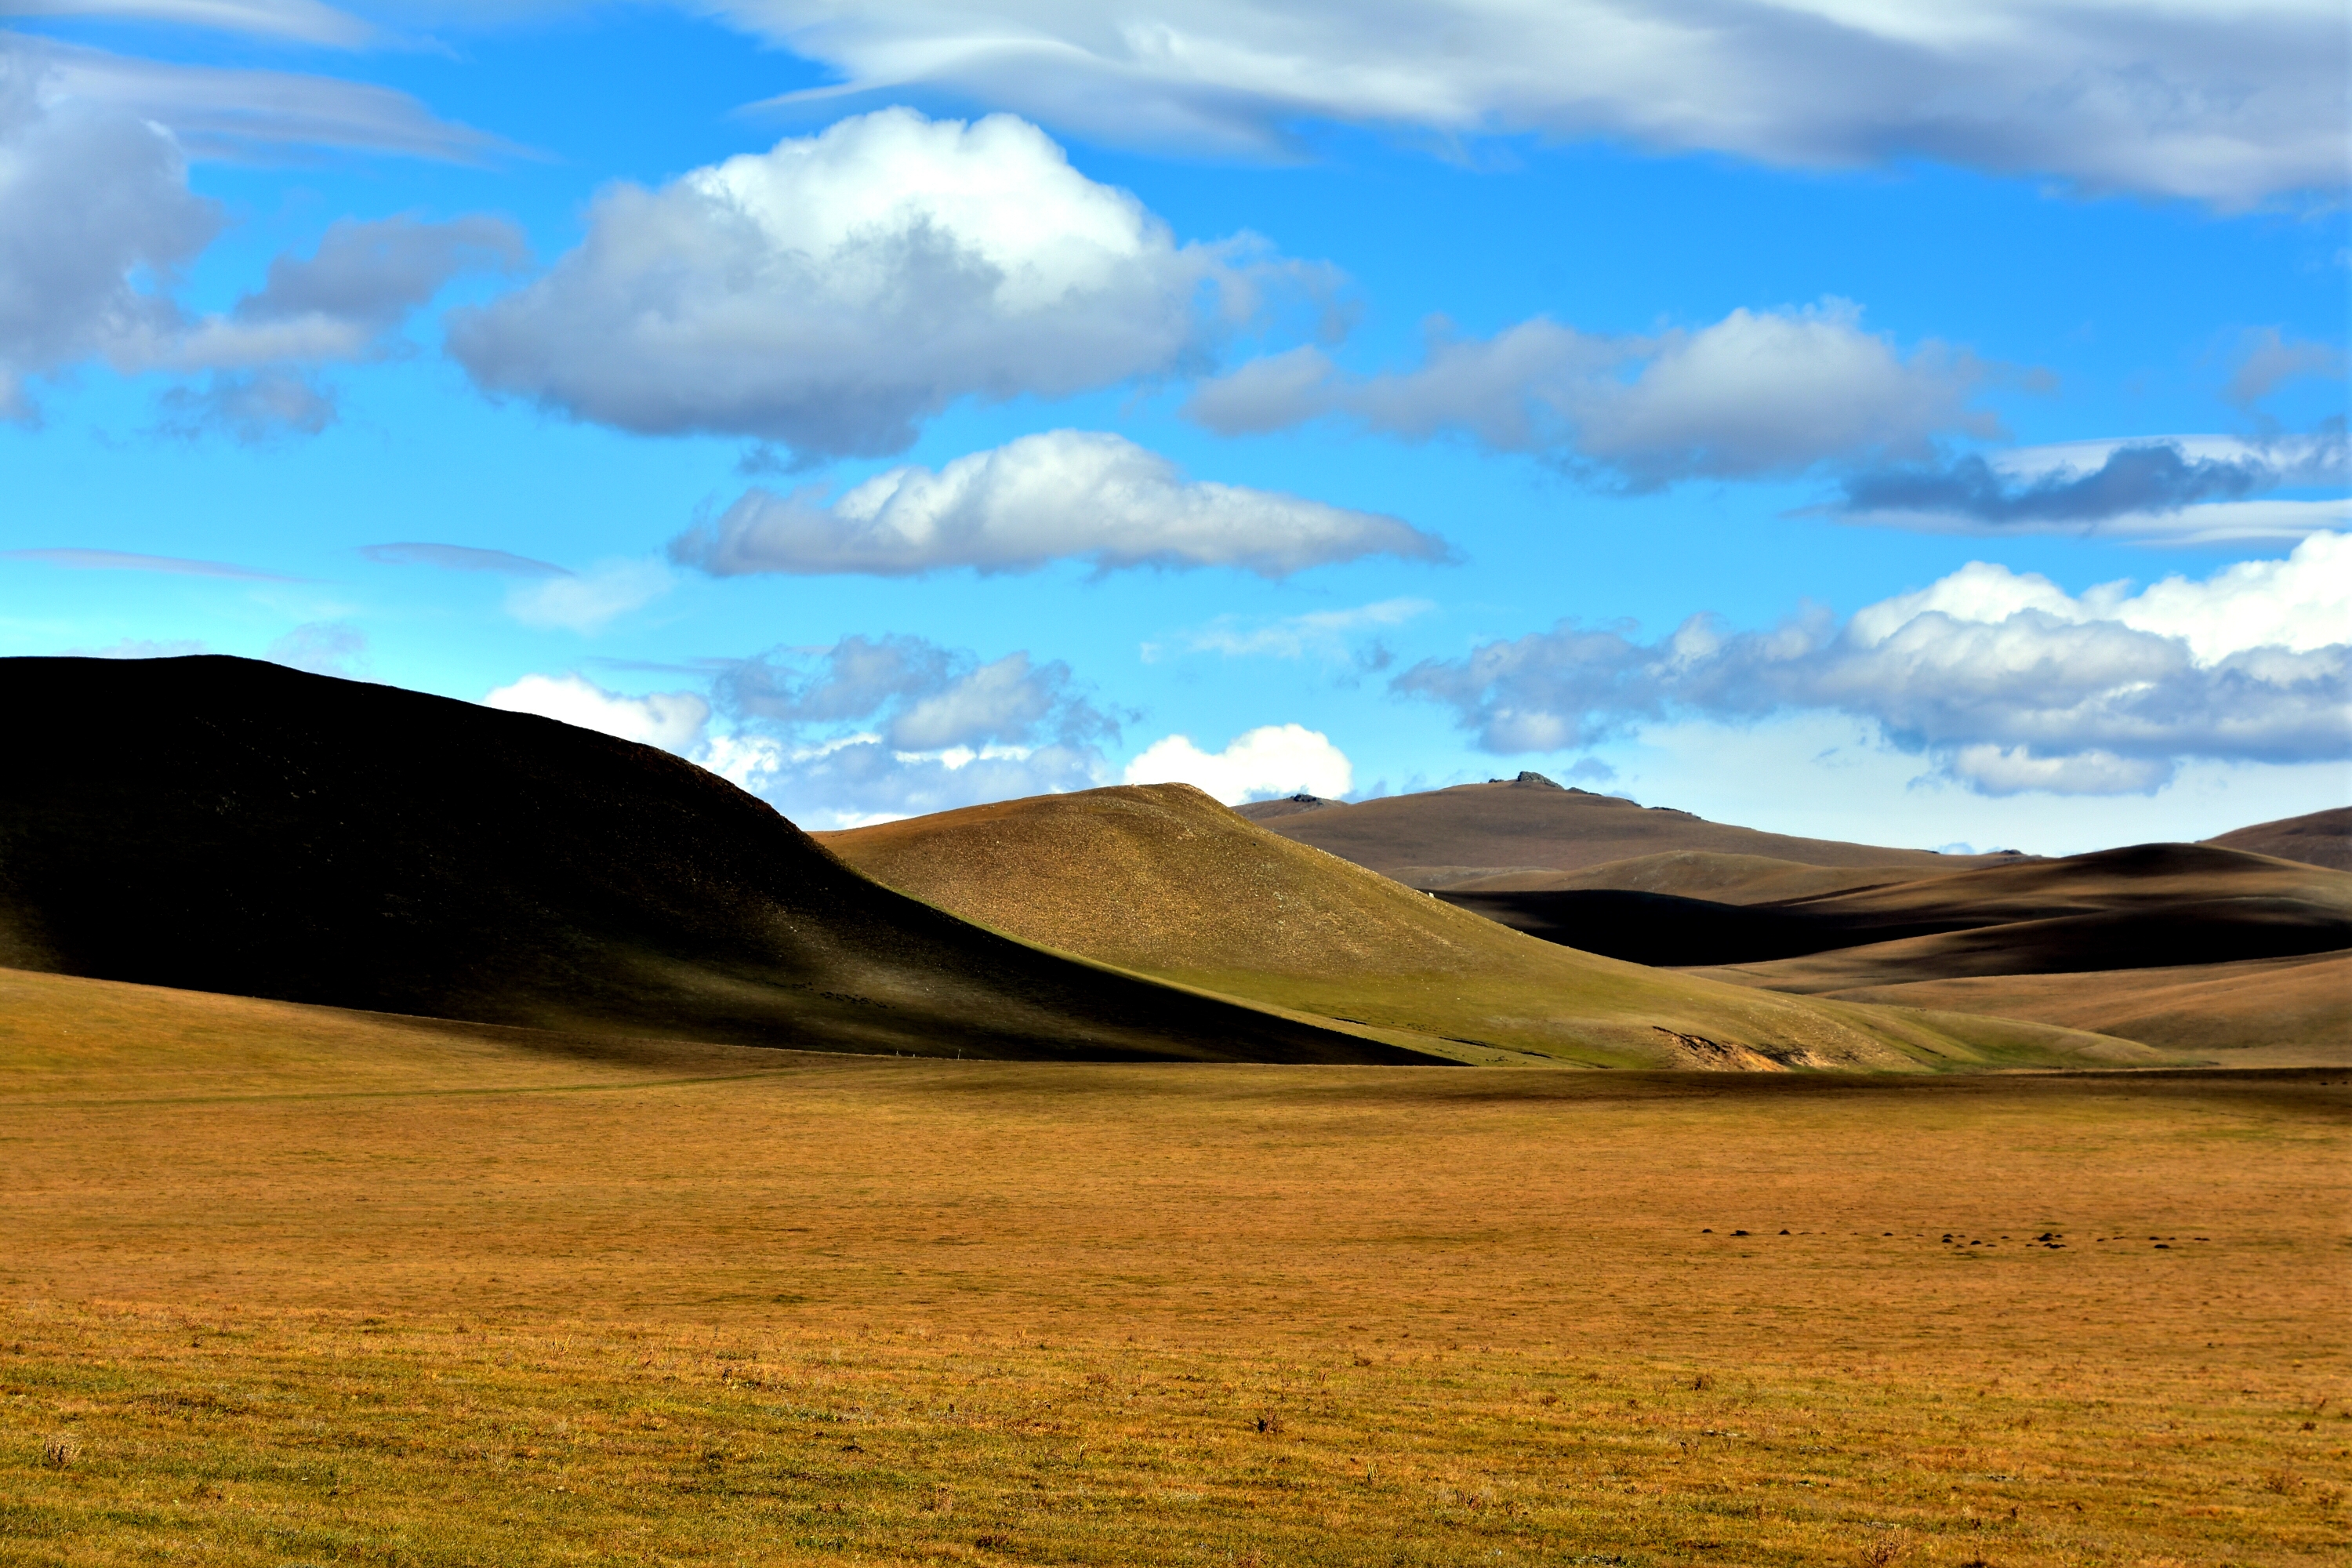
point(587, 602)
point(1823, 774)
point(673, 721)
point(2229, 101)
point(1757, 393)
point(1062, 494)
point(97, 224)
point(914, 696)
point(2006, 681)
point(856, 780)
point(2014, 769)
point(875, 728)
point(1002, 701)
point(341, 301)
point(2301, 604)
point(90, 199)
point(1271, 760)
point(833, 292)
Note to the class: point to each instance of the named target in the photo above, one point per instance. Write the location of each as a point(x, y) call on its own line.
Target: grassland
point(284, 1284)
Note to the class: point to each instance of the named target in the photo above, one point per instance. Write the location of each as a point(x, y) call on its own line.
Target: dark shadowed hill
point(2180, 946)
point(1449, 835)
point(2321, 838)
point(2150, 906)
point(222, 824)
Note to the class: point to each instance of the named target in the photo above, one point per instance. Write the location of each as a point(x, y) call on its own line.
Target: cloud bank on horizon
point(1127, 433)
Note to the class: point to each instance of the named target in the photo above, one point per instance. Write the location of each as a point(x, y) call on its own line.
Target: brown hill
point(221, 825)
point(2320, 839)
point(1717, 876)
point(2283, 1012)
point(2184, 947)
point(2151, 905)
point(1443, 837)
point(1164, 881)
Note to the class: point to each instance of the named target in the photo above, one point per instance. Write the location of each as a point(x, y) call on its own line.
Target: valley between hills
point(442, 1136)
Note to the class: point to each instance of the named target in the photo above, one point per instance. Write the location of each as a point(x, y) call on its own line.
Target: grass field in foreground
point(282, 1285)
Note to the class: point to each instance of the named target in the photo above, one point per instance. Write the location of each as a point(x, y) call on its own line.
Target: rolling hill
point(2285, 1012)
point(1471, 833)
point(1164, 881)
point(2318, 838)
point(2181, 946)
point(221, 825)
point(2147, 906)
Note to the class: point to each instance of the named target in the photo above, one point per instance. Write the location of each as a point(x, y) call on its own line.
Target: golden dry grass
point(284, 1284)
point(1163, 880)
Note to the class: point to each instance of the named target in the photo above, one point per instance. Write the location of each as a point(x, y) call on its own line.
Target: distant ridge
point(223, 824)
point(2318, 838)
point(1532, 825)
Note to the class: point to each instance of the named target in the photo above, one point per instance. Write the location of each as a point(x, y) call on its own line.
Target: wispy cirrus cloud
point(73, 558)
point(2227, 103)
point(463, 558)
point(299, 21)
point(1318, 634)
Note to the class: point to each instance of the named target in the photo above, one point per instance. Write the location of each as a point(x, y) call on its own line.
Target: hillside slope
point(1445, 836)
point(2146, 906)
point(221, 825)
point(2273, 1012)
point(2318, 838)
point(1162, 880)
point(1718, 875)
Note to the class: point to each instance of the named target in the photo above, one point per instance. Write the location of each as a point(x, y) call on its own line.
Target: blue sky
point(1829, 418)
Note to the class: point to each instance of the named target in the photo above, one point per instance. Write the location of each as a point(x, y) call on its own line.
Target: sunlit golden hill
point(1164, 881)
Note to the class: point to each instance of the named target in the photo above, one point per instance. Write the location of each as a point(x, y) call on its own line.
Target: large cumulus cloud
point(833, 292)
point(2003, 680)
